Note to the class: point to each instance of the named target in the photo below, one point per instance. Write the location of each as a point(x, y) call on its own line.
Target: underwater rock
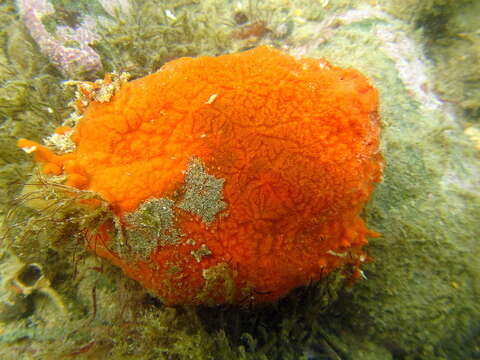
point(420, 298)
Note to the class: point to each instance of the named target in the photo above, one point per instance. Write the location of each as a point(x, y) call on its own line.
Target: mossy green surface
point(152, 33)
point(419, 299)
point(32, 100)
point(422, 286)
point(453, 39)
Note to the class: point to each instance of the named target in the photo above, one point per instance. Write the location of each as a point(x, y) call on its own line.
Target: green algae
point(32, 101)
point(454, 46)
point(420, 284)
point(152, 33)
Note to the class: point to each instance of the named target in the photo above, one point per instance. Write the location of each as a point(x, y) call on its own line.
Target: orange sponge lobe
point(233, 177)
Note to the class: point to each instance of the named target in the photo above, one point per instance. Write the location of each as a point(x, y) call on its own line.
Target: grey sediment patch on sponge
point(203, 192)
point(152, 224)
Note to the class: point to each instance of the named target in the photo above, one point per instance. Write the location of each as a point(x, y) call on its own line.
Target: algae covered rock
point(418, 300)
point(421, 288)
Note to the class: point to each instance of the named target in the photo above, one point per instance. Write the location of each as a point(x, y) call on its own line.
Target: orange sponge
point(233, 177)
